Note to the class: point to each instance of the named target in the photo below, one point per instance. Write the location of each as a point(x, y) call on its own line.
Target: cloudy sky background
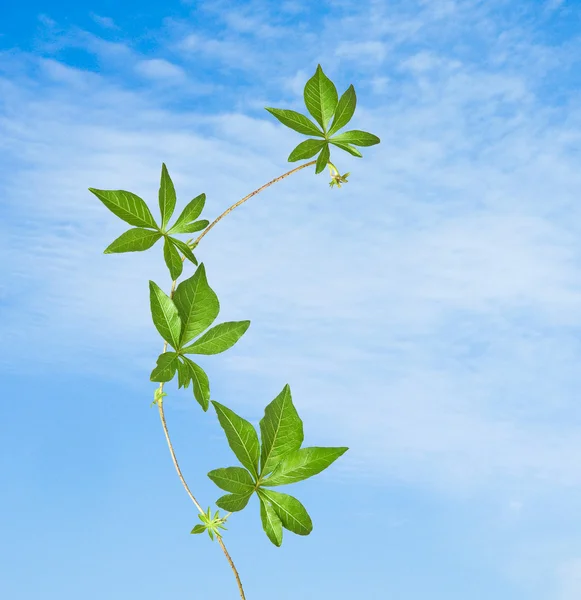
point(427, 314)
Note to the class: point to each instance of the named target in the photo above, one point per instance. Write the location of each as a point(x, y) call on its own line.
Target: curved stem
point(159, 402)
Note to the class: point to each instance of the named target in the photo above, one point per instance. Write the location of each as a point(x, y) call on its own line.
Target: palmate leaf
point(184, 375)
point(172, 259)
point(344, 111)
point(167, 196)
point(241, 435)
point(302, 464)
point(322, 159)
point(292, 514)
point(167, 363)
point(233, 502)
point(187, 251)
point(271, 523)
point(321, 97)
point(133, 240)
point(200, 383)
point(190, 213)
point(296, 121)
point(190, 227)
point(218, 339)
point(165, 315)
point(197, 304)
point(357, 137)
point(306, 149)
point(233, 479)
point(127, 206)
point(281, 431)
point(347, 148)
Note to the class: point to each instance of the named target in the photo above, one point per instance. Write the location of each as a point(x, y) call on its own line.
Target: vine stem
point(159, 402)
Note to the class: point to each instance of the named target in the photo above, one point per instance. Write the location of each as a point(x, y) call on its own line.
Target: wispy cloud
point(105, 22)
point(158, 68)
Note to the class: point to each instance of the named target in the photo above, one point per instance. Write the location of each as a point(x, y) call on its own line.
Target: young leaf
point(190, 227)
point(197, 304)
point(233, 479)
point(357, 137)
point(296, 121)
point(281, 430)
point(172, 259)
point(233, 502)
point(347, 148)
point(183, 247)
point(190, 213)
point(271, 524)
point(200, 383)
point(165, 315)
point(344, 110)
point(218, 339)
point(306, 149)
point(302, 464)
point(165, 370)
point(127, 206)
point(167, 197)
point(184, 375)
point(133, 240)
point(322, 159)
point(290, 511)
point(198, 529)
point(241, 435)
point(321, 97)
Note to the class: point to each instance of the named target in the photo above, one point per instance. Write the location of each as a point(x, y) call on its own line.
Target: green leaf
point(306, 149)
point(167, 197)
point(190, 213)
point(241, 435)
point(233, 479)
point(233, 502)
point(172, 259)
point(197, 304)
point(187, 251)
point(357, 137)
point(347, 148)
point(290, 511)
point(198, 529)
point(296, 121)
point(218, 339)
point(184, 375)
point(165, 315)
point(344, 110)
point(271, 524)
point(281, 430)
point(302, 464)
point(323, 159)
point(200, 383)
point(321, 97)
point(167, 362)
point(127, 206)
point(190, 227)
point(133, 240)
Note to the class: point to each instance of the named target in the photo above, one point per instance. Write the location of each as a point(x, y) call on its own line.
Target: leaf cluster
point(185, 319)
point(133, 210)
point(277, 459)
point(323, 103)
point(194, 306)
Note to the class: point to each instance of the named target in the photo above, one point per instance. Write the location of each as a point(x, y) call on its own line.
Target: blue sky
point(427, 314)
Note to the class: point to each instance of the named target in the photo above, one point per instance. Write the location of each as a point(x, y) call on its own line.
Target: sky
point(427, 314)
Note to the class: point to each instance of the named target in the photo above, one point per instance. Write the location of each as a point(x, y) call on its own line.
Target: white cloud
point(157, 68)
point(105, 22)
